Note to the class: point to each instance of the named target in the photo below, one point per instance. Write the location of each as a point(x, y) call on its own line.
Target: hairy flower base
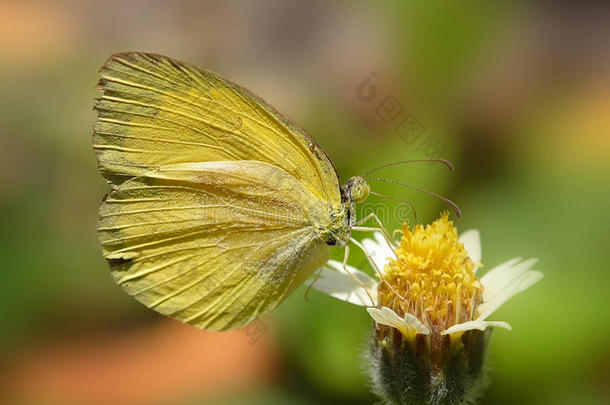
point(450, 371)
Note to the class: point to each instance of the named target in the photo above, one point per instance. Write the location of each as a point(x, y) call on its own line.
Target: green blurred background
point(517, 97)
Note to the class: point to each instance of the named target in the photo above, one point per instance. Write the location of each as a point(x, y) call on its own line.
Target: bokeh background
point(516, 96)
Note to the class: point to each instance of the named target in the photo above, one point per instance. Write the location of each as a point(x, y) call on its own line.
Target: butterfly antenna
point(443, 161)
point(399, 201)
point(448, 201)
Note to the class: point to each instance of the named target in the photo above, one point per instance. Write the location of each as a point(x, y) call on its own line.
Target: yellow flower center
point(433, 275)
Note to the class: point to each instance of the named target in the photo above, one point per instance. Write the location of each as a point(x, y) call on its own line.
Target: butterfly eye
point(360, 191)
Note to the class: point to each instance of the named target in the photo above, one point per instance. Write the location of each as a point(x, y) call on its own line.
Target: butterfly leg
point(316, 278)
point(389, 240)
point(377, 270)
point(356, 279)
point(346, 269)
point(381, 228)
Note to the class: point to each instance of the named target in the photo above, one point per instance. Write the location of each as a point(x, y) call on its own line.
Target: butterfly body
point(220, 205)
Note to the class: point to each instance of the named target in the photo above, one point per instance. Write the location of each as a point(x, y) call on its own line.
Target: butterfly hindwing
point(214, 244)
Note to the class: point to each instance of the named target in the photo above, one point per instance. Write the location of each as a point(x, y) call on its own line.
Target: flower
point(430, 310)
point(436, 271)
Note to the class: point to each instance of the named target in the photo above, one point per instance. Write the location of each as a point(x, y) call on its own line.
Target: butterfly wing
point(214, 244)
point(156, 111)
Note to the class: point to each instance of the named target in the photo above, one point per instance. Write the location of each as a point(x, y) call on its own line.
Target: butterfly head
point(357, 189)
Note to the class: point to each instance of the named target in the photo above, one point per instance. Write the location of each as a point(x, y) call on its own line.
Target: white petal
point(477, 324)
point(408, 326)
point(519, 283)
point(370, 244)
point(334, 281)
point(379, 250)
point(471, 239)
point(500, 324)
point(498, 278)
point(533, 277)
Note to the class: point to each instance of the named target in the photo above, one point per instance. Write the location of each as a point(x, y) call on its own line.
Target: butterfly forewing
point(156, 111)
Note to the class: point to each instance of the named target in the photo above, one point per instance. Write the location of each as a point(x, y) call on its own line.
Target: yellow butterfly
point(220, 205)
